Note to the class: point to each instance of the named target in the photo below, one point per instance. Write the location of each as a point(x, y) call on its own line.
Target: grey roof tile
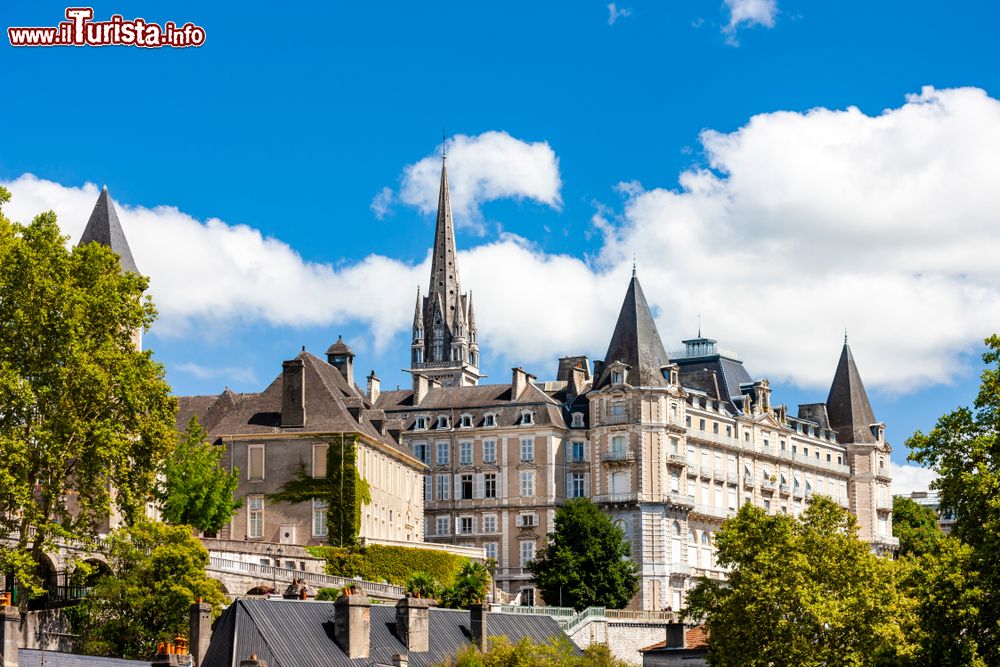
point(847, 405)
point(635, 342)
point(104, 227)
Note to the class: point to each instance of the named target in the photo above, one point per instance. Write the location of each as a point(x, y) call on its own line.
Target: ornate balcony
point(618, 457)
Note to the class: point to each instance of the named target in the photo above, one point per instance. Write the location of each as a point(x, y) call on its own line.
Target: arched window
point(704, 538)
point(677, 528)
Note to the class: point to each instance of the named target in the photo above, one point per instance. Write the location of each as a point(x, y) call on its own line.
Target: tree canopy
point(963, 448)
point(86, 416)
point(915, 525)
point(156, 573)
point(800, 591)
point(586, 562)
point(194, 489)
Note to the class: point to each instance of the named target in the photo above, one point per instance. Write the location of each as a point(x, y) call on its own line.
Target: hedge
point(377, 562)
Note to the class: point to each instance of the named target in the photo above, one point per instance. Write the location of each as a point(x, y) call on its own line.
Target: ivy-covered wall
point(376, 562)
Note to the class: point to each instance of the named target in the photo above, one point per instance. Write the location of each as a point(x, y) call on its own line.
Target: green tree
point(557, 652)
point(586, 561)
point(799, 592)
point(943, 584)
point(343, 488)
point(85, 417)
point(194, 488)
point(422, 585)
point(915, 525)
point(963, 448)
point(156, 573)
point(470, 587)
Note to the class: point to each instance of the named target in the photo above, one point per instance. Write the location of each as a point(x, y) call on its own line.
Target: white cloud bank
point(747, 13)
point(483, 168)
point(800, 224)
point(908, 478)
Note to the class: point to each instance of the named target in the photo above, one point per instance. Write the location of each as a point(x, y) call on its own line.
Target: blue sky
point(291, 121)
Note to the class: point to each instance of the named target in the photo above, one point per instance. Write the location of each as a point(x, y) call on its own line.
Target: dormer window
point(442, 421)
point(490, 420)
point(617, 377)
point(466, 421)
point(577, 420)
point(527, 418)
point(420, 423)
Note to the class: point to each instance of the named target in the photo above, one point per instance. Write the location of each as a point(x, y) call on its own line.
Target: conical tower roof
point(636, 342)
point(105, 228)
point(847, 406)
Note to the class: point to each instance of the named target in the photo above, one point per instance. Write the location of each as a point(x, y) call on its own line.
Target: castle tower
point(444, 345)
point(104, 227)
point(863, 437)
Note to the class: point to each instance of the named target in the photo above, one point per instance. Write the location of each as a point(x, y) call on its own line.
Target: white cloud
point(483, 168)
point(747, 13)
point(615, 13)
point(234, 373)
point(800, 224)
point(908, 478)
point(382, 202)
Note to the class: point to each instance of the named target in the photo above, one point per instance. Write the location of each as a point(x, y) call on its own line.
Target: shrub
point(396, 565)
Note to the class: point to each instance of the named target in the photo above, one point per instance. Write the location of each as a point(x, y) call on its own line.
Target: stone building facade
point(668, 445)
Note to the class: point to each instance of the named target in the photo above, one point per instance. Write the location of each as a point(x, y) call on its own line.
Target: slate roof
point(340, 347)
point(477, 400)
point(729, 375)
point(105, 228)
point(291, 633)
point(33, 658)
point(636, 343)
point(847, 405)
point(328, 397)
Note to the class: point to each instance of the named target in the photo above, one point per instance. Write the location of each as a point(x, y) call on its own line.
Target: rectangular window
point(527, 449)
point(577, 452)
point(490, 485)
point(465, 454)
point(255, 516)
point(443, 485)
point(466, 487)
point(701, 424)
point(422, 451)
point(527, 552)
point(675, 481)
point(319, 460)
point(715, 427)
point(489, 523)
point(732, 497)
point(618, 445)
point(441, 526)
point(527, 483)
point(491, 551)
point(319, 517)
point(465, 525)
point(428, 491)
point(442, 450)
point(255, 464)
point(489, 451)
point(576, 485)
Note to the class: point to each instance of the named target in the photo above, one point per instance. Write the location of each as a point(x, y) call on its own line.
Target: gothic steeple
point(847, 405)
point(104, 228)
point(636, 342)
point(446, 349)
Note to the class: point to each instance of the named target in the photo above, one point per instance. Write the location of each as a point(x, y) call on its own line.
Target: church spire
point(444, 259)
point(105, 228)
point(847, 405)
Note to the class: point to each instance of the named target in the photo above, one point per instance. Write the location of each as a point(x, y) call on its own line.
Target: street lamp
point(274, 566)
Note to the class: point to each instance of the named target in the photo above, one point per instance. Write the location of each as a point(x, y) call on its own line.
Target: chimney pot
point(675, 635)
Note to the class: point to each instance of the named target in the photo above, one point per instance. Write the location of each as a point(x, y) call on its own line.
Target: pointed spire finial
point(845, 335)
point(699, 326)
point(444, 145)
point(633, 264)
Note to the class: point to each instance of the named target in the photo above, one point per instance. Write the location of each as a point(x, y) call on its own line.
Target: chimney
point(10, 632)
point(412, 623)
point(293, 393)
point(519, 381)
point(419, 388)
point(253, 661)
point(172, 654)
point(352, 624)
point(477, 625)
point(400, 660)
point(200, 631)
point(374, 387)
point(675, 635)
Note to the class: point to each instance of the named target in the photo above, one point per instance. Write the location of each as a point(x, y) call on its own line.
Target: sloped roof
point(694, 638)
point(636, 342)
point(847, 405)
point(105, 228)
point(291, 633)
point(34, 658)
